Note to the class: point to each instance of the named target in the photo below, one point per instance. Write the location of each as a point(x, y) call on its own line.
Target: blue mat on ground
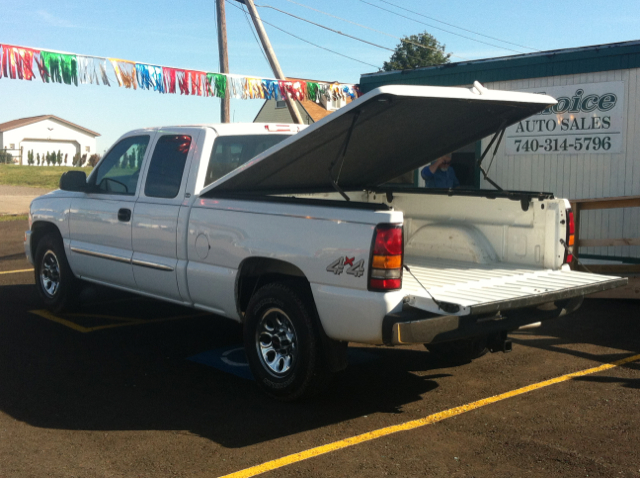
point(232, 359)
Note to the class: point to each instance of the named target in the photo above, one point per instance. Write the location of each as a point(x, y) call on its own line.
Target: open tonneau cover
point(378, 137)
point(484, 289)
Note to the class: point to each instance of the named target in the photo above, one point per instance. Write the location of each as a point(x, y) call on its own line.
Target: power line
point(346, 35)
point(372, 29)
point(331, 30)
point(327, 28)
point(246, 17)
point(310, 43)
point(315, 45)
point(460, 28)
point(438, 28)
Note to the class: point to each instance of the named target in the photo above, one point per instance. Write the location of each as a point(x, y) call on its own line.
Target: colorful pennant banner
point(17, 63)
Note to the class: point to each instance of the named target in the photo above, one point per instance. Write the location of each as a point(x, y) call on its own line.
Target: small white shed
point(44, 134)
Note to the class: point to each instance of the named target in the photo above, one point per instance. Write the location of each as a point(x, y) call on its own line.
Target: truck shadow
point(609, 323)
point(625, 383)
point(137, 377)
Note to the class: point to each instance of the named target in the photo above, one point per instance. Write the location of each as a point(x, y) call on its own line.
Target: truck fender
point(38, 230)
point(255, 272)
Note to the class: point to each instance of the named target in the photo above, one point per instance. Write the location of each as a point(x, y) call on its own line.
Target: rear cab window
point(230, 152)
point(166, 168)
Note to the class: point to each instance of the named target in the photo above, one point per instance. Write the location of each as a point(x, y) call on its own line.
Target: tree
point(59, 158)
point(408, 55)
point(5, 157)
point(94, 159)
point(38, 159)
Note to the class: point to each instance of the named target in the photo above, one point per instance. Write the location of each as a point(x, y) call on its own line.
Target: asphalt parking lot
point(128, 386)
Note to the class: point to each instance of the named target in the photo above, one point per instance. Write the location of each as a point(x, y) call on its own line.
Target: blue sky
point(183, 34)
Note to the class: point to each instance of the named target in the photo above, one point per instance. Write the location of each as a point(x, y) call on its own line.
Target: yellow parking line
point(432, 419)
point(47, 315)
point(125, 321)
point(104, 316)
point(120, 300)
point(144, 321)
point(16, 271)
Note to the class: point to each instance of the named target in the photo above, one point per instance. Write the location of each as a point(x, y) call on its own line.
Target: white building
point(43, 134)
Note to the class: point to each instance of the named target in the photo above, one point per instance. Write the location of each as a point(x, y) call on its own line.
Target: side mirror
point(73, 181)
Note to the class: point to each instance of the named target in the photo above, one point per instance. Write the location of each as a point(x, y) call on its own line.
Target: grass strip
point(35, 176)
point(4, 218)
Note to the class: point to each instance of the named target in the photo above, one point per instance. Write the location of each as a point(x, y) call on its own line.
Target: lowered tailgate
point(469, 289)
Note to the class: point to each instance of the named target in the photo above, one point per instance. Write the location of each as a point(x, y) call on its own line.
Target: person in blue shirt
point(439, 174)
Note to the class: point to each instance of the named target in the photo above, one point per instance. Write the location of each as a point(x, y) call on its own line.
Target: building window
point(12, 146)
point(87, 149)
point(281, 104)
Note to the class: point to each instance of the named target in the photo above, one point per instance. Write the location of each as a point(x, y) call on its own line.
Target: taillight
point(571, 236)
point(386, 258)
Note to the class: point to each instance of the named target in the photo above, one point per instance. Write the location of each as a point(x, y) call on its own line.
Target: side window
point(119, 170)
point(229, 152)
point(167, 166)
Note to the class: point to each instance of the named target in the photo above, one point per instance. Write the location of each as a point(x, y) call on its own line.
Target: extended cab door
point(100, 220)
point(157, 212)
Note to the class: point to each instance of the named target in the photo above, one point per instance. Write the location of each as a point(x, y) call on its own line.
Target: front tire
point(55, 282)
point(282, 343)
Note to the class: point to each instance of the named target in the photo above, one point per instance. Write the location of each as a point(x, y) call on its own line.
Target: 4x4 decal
point(356, 268)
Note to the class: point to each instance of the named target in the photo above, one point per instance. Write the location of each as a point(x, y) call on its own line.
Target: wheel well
point(256, 272)
point(38, 230)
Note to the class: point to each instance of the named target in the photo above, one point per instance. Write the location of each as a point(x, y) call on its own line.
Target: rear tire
point(55, 282)
point(460, 352)
point(282, 343)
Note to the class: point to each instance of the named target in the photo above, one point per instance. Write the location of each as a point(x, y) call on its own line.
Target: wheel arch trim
point(257, 268)
point(38, 230)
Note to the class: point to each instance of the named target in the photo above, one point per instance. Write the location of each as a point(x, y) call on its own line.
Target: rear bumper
point(414, 326)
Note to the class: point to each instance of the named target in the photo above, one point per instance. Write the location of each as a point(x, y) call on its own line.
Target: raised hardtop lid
point(390, 130)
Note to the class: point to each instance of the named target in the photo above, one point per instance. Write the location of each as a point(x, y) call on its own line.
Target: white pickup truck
point(302, 235)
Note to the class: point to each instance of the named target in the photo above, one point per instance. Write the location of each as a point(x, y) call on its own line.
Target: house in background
point(274, 111)
point(43, 134)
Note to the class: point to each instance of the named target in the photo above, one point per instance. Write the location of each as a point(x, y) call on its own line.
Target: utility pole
point(225, 103)
point(271, 55)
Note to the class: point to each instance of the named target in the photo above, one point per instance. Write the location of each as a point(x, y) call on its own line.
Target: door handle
point(124, 215)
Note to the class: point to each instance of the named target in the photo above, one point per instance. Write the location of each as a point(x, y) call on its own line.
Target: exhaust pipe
point(531, 326)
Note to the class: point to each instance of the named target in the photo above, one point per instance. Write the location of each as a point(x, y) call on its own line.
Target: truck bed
point(488, 288)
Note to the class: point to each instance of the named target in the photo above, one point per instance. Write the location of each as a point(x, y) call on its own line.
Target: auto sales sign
point(588, 119)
